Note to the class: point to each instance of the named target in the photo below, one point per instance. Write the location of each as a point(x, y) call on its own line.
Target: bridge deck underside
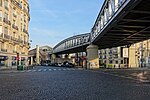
point(132, 25)
point(74, 49)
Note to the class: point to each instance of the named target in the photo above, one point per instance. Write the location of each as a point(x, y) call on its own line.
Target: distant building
point(44, 55)
point(14, 19)
point(112, 58)
point(138, 56)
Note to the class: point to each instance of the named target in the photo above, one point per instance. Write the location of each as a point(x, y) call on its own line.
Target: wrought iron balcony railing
point(16, 4)
point(6, 8)
point(25, 31)
point(3, 50)
point(15, 27)
point(6, 36)
point(22, 52)
point(14, 51)
point(14, 15)
point(6, 21)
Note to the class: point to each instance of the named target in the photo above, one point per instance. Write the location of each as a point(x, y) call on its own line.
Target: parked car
point(53, 64)
point(59, 64)
point(67, 64)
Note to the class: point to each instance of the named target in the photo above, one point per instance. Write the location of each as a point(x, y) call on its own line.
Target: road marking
point(34, 71)
point(40, 70)
point(29, 71)
point(68, 69)
point(44, 70)
point(72, 69)
point(22, 71)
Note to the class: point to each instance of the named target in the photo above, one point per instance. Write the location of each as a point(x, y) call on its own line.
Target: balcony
point(116, 56)
point(15, 27)
point(24, 20)
point(14, 51)
point(26, 43)
point(16, 4)
point(6, 21)
point(15, 15)
point(21, 41)
point(25, 10)
point(115, 51)
point(3, 50)
point(25, 31)
point(23, 53)
point(14, 39)
point(6, 7)
point(6, 36)
point(110, 57)
point(104, 52)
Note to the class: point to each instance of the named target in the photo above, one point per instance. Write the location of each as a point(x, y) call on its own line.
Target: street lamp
point(82, 51)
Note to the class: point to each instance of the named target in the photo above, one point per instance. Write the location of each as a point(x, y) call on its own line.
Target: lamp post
point(82, 51)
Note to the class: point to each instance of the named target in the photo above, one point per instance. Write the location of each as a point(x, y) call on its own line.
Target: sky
point(55, 20)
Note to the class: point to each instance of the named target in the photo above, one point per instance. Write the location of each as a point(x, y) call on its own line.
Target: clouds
point(55, 20)
point(45, 36)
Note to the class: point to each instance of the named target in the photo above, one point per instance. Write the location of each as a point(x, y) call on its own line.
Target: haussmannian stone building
point(14, 20)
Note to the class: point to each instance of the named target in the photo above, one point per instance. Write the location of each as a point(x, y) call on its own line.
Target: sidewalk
point(140, 74)
point(14, 68)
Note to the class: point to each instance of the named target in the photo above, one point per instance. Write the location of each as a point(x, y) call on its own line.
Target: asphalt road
point(57, 83)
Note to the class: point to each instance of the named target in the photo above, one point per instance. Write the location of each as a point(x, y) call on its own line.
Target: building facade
point(138, 56)
point(14, 20)
point(112, 58)
point(40, 55)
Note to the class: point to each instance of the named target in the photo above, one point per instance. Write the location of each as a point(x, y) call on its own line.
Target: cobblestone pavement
point(142, 75)
point(73, 84)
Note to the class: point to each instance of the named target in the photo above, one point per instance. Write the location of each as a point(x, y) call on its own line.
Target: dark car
point(53, 64)
point(67, 64)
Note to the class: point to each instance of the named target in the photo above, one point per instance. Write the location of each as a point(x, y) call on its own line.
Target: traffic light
point(17, 58)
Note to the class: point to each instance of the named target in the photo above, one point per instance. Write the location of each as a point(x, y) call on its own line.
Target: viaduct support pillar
point(37, 55)
point(53, 58)
point(31, 62)
point(92, 57)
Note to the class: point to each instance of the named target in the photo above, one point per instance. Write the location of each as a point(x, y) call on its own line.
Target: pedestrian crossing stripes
point(50, 69)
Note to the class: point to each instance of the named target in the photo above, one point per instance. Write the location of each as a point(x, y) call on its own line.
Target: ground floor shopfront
point(10, 61)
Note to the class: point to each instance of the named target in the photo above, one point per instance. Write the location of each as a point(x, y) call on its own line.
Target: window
point(6, 16)
point(110, 62)
point(24, 38)
point(121, 61)
point(5, 30)
point(21, 26)
point(14, 34)
point(21, 16)
point(14, 22)
point(24, 26)
point(1, 30)
point(2, 45)
point(1, 3)
point(6, 3)
point(116, 62)
point(0, 15)
point(25, 19)
point(20, 3)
